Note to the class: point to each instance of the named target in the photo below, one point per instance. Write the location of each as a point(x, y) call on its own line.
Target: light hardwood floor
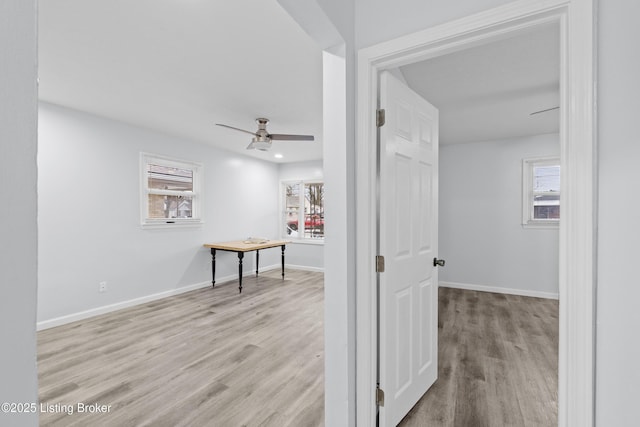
point(210, 357)
point(215, 358)
point(497, 363)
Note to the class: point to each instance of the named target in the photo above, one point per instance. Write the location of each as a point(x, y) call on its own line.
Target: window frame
point(528, 193)
point(196, 194)
point(283, 208)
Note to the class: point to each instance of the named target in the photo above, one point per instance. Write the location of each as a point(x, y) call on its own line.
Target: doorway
point(485, 96)
point(577, 143)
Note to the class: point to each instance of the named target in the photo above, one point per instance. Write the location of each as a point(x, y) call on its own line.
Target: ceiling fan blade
point(251, 146)
point(285, 137)
point(241, 130)
point(544, 111)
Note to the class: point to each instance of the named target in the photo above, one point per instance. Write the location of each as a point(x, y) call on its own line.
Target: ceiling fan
point(262, 139)
point(544, 111)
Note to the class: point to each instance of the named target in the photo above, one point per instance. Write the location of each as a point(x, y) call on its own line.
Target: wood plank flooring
point(210, 357)
point(497, 363)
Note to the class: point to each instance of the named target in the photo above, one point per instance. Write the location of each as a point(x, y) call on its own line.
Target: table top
point(246, 245)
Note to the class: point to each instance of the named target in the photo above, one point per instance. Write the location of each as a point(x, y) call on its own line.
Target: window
point(303, 210)
point(541, 192)
point(170, 191)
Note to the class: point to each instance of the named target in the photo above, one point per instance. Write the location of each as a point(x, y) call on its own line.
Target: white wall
point(337, 16)
point(481, 233)
point(303, 255)
point(618, 317)
point(339, 277)
point(301, 170)
point(617, 370)
point(89, 219)
point(18, 231)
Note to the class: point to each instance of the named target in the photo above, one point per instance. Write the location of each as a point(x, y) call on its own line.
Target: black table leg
point(213, 267)
point(257, 261)
point(240, 256)
point(283, 246)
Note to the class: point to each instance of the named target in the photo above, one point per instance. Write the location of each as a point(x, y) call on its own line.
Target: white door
point(408, 240)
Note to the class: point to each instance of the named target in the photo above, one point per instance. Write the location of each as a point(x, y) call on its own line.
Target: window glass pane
point(169, 178)
point(546, 178)
point(291, 208)
point(170, 206)
point(546, 206)
point(541, 191)
point(314, 210)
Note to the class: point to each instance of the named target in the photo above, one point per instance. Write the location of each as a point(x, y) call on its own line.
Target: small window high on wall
point(170, 191)
point(541, 192)
point(303, 210)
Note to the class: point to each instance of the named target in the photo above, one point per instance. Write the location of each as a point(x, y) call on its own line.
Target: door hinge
point(380, 117)
point(379, 396)
point(379, 264)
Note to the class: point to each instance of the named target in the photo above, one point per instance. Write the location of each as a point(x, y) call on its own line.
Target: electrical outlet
point(102, 287)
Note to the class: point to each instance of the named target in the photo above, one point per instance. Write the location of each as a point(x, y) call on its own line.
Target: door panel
point(402, 204)
point(426, 335)
point(408, 240)
point(424, 182)
point(402, 345)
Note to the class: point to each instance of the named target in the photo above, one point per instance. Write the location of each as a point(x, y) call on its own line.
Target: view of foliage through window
point(171, 180)
point(170, 191)
point(304, 209)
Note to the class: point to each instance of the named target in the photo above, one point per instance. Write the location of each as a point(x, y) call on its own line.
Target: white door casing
point(576, 364)
point(408, 236)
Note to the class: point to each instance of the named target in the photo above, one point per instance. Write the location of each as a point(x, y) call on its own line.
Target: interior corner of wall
point(314, 21)
point(337, 50)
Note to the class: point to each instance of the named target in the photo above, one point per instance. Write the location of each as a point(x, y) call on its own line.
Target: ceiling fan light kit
point(262, 139)
point(259, 145)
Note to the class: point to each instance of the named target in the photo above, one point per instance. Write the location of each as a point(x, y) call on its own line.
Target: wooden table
point(240, 247)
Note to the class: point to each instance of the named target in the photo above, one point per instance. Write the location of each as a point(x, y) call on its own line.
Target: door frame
point(577, 252)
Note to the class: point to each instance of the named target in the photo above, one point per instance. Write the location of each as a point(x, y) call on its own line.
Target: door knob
point(438, 262)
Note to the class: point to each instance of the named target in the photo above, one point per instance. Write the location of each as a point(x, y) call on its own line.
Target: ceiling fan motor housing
point(262, 140)
point(262, 123)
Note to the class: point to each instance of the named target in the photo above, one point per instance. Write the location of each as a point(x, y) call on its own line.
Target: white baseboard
point(305, 268)
point(278, 266)
point(499, 290)
point(74, 317)
point(63, 320)
point(291, 267)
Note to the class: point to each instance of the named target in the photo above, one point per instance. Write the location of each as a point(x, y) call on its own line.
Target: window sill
point(305, 241)
point(169, 225)
point(542, 225)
